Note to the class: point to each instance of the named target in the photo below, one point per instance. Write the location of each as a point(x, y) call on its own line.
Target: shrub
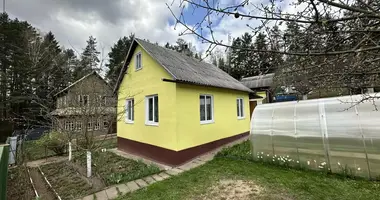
point(54, 141)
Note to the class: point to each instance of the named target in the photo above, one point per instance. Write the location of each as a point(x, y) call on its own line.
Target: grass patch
point(106, 143)
point(18, 185)
point(33, 151)
point(276, 182)
point(66, 181)
point(115, 169)
point(241, 151)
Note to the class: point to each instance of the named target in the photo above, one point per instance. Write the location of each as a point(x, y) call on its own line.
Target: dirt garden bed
point(18, 184)
point(70, 181)
point(67, 181)
point(114, 169)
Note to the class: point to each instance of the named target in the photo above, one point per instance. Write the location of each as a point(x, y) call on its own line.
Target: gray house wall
point(98, 113)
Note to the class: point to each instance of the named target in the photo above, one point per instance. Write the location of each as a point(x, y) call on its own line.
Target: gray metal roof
point(185, 69)
point(260, 81)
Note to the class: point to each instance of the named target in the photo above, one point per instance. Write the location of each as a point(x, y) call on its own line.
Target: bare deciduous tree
point(336, 43)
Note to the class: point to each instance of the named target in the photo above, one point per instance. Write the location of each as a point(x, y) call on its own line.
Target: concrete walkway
point(121, 189)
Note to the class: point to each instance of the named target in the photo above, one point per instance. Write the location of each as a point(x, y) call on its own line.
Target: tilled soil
point(43, 190)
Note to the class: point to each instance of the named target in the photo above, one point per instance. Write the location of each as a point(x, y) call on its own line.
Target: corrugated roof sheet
point(186, 69)
point(260, 81)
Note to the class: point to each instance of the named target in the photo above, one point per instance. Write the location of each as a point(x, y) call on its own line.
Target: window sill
point(240, 118)
point(138, 69)
point(207, 122)
point(129, 122)
point(151, 124)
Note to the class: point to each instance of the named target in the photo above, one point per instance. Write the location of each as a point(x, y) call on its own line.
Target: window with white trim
point(129, 111)
point(151, 108)
point(240, 107)
point(84, 100)
point(71, 125)
point(206, 108)
point(89, 125)
point(78, 126)
point(105, 124)
point(138, 62)
point(67, 125)
point(97, 125)
point(65, 101)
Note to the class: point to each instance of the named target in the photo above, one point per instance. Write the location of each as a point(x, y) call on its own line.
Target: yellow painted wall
point(189, 130)
point(138, 84)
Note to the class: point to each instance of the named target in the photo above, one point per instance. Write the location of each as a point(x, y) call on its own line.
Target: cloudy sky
point(72, 21)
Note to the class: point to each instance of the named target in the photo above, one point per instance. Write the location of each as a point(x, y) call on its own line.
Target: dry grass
point(233, 190)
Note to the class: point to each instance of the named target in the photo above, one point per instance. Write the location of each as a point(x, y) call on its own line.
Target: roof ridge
point(77, 81)
point(184, 68)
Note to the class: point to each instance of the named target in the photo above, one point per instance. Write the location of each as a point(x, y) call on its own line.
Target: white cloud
point(72, 21)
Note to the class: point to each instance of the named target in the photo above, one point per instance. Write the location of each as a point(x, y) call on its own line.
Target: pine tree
point(261, 58)
point(241, 57)
point(222, 65)
point(116, 58)
point(196, 56)
point(276, 60)
point(89, 59)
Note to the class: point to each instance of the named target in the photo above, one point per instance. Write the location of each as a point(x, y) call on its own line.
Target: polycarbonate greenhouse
point(332, 134)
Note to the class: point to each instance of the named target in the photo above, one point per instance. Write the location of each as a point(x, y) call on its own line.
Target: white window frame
point(97, 125)
point(106, 124)
point(240, 106)
point(129, 102)
point(81, 103)
point(138, 63)
point(147, 121)
point(89, 128)
point(64, 101)
point(71, 125)
point(212, 109)
point(67, 125)
point(78, 126)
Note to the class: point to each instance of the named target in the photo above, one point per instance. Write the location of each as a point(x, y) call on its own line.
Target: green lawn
point(274, 182)
point(33, 151)
point(36, 152)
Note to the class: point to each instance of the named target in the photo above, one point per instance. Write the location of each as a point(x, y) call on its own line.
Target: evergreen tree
point(89, 59)
point(116, 58)
point(276, 60)
point(182, 47)
point(261, 58)
point(196, 56)
point(241, 60)
point(222, 65)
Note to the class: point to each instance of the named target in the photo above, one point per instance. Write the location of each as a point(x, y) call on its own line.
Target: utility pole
point(3, 6)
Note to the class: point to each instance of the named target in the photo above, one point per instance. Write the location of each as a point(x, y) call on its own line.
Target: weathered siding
point(92, 86)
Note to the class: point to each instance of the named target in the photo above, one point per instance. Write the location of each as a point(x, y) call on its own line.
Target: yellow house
point(172, 107)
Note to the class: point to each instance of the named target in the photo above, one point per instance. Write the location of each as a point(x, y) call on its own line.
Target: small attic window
point(138, 61)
